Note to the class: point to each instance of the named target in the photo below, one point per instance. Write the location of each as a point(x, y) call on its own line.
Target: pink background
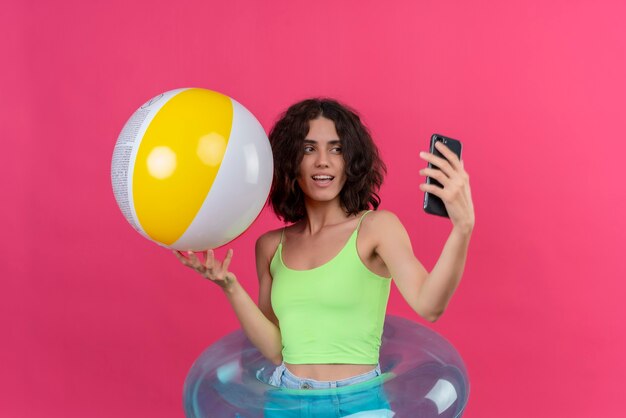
point(97, 321)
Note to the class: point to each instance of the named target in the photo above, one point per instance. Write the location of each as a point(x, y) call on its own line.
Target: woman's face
point(321, 176)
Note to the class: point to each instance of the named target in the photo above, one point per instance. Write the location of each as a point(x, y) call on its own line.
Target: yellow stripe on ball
point(178, 159)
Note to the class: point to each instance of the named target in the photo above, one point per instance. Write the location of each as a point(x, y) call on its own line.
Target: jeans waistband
point(289, 380)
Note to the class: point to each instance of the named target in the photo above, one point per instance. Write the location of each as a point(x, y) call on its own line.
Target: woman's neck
point(322, 214)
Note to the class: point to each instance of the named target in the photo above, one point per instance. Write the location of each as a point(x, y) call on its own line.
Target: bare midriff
point(329, 371)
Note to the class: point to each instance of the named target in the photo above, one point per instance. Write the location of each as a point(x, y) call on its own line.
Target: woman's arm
point(261, 331)
point(429, 293)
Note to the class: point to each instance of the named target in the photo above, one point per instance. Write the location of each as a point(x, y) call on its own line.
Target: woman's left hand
point(456, 193)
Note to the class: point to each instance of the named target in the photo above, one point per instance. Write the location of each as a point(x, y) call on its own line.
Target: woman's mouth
point(322, 180)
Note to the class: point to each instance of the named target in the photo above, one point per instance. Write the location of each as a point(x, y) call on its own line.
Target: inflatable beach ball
point(191, 169)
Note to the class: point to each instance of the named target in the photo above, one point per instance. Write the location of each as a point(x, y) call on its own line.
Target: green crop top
point(333, 313)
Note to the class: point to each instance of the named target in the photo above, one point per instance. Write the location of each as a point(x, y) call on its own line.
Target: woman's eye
point(337, 150)
point(308, 148)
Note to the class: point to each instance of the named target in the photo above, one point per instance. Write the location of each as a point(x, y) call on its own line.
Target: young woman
point(324, 279)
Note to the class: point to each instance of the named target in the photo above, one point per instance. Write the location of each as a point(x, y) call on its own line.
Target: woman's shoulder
point(381, 218)
point(380, 224)
point(267, 243)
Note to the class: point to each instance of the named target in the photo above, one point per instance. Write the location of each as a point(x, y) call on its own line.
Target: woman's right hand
point(211, 269)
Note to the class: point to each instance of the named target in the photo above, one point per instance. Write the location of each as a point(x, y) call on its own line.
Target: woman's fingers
point(455, 193)
point(194, 259)
point(449, 171)
point(449, 165)
point(440, 163)
point(210, 268)
point(181, 257)
point(209, 260)
point(229, 257)
point(432, 189)
point(450, 156)
point(433, 173)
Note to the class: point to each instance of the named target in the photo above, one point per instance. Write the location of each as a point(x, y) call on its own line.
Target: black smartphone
point(433, 204)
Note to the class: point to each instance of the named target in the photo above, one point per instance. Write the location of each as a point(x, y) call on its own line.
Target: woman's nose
point(322, 159)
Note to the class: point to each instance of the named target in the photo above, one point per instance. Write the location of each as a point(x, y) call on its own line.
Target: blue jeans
point(364, 394)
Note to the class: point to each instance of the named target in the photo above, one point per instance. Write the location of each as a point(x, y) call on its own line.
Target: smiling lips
point(322, 179)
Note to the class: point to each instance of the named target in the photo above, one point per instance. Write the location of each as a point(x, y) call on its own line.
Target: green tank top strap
point(361, 220)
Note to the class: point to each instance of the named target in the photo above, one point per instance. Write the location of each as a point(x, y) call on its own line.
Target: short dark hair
point(363, 167)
